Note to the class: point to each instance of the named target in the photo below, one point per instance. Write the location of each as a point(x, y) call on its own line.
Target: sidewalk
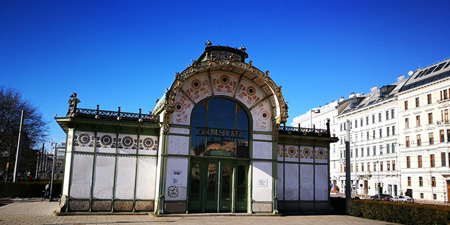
point(32, 212)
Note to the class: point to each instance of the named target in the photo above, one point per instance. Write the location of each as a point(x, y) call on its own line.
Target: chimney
point(373, 88)
point(341, 99)
point(351, 95)
point(401, 77)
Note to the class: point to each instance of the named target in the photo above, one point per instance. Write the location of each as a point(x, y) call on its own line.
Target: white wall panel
point(81, 176)
point(146, 178)
point(83, 141)
point(306, 183)
point(176, 179)
point(321, 155)
point(176, 130)
point(178, 145)
point(321, 182)
point(125, 174)
point(291, 181)
point(291, 153)
point(306, 154)
point(148, 145)
point(103, 177)
point(106, 143)
point(262, 150)
point(127, 144)
point(262, 181)
point(280, 181)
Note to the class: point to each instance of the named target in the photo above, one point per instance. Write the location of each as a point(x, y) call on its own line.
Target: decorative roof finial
point(208, 43)
point(242, 48)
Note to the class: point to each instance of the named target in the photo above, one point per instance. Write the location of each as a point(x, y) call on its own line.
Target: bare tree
point(34, 131)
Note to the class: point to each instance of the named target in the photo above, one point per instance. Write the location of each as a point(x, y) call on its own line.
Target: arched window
point(219, 127)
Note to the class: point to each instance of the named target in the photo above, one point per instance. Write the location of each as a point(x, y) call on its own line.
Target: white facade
point(424, 105)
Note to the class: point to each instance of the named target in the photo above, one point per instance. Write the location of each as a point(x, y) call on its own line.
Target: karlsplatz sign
point(221, 133)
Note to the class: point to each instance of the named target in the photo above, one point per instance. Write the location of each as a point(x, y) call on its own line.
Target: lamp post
point(314, 111)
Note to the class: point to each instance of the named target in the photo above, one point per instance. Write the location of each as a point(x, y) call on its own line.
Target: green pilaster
point(115, 170)
point(93, 170)
point(136, 168)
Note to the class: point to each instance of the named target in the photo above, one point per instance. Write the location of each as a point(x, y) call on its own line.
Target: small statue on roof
point(242, 48)
point(73, 101)
point(208, 43)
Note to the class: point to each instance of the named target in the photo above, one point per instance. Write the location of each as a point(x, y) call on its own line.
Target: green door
point(217, 185)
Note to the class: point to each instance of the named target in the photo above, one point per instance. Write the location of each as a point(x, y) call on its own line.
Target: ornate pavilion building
point(216, 142)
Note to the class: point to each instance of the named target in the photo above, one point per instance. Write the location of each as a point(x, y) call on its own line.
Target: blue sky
point(125, 53)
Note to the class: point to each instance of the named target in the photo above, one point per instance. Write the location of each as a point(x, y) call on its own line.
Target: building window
point(388, 131)
point(393, 130)
point(368, 167)
point(387, 148)
point(381, 166)
point(393, 165)
point(434, 196)
point(443, 161)
point(406, 123)
point(393, 147)
point(387, 115)
point(409, 181)
point(420, 181)
point(373, 132)
point(418, 121)
point(374, 150)
point(432, 163)
point(406, 105)
point(429, 99)
point(351, 167)
point(356, 123)
point(433, 181)
point(373, 119)
point(356, 152)
point(419, 142)
point(367, 120)
point(441, 135)
point(362, 167)
point(368, 151)
point(369, 138)
point(362, 152)
point(381, 132)
point(417, 102)
point(445, 95)
point(419, 161)
point(356, 167)
point(388, 165)
point(444, 116)
point(341, 168)
point(381, 149)
point(361, 122)
point(374, 166)
point(430, 138)
point(421, 195)
point(430, 118)
point(408, 162)
point(392, 114)
point(448, 135)
point(407, 141)
point(379, 117)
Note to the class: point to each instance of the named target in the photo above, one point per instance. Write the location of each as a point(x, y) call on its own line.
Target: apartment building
point(424, 136)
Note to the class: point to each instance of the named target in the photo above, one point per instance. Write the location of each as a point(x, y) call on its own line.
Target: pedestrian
point(47, 190)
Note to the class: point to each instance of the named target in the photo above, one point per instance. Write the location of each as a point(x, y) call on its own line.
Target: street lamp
point(314, 111)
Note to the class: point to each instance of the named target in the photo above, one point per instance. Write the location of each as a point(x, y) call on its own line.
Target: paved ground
point(32, 212)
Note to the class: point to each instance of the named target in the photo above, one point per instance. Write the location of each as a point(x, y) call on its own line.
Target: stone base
point(147, 206)
point(101, 206)
point(262, 207)
point(123, 206)
point(78, 205)
point(175, 207)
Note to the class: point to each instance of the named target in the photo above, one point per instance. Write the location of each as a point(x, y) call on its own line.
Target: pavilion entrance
point(218, 185)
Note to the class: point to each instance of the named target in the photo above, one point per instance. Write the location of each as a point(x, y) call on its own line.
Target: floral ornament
point(172, 191)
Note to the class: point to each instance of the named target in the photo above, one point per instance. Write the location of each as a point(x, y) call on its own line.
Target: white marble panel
point(265, 137)
point(306, 183)
point(103, 176)
point(176, 179)
point(68, 162)
point(183, 108)
point(280, 181)
point(81, 176)
point(125, 177)
point(148, 145)
point(262, 150)
point(262, 117)
point(197, 87)
point(249, 93)
point(280, 152)
point(262, 181)
point(321, 155)
point(291, 153)
point(224, 83)
point(127, 144)
point(291, 181)
point(106, 143)
point(146, 178)
point(321, 182)
point(178, 145)
point(306, 154)
point(177, 130)
point(83, 141)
